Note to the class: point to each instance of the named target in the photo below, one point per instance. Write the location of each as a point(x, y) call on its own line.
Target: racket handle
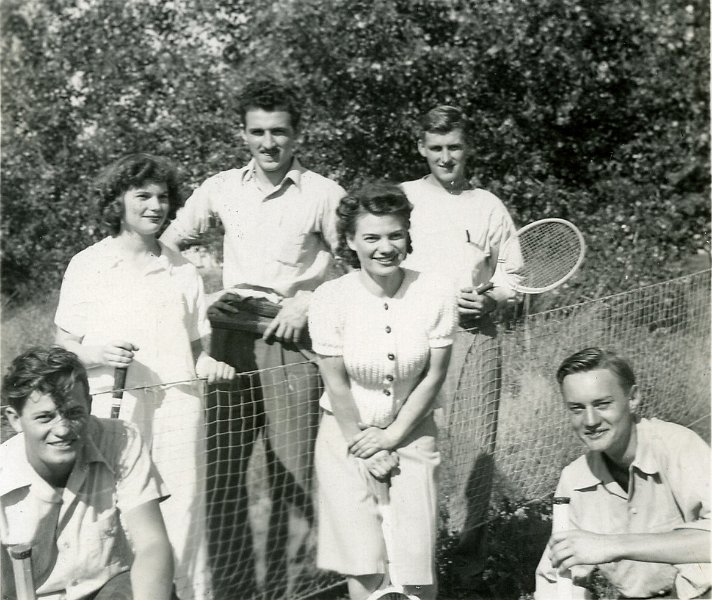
point(118, 393)
point(561, 522)
point(21, 555)
point(485, 287)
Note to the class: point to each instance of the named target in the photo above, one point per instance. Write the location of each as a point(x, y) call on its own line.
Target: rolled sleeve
point(138, 480)
point(325, 321)
point(192, 218)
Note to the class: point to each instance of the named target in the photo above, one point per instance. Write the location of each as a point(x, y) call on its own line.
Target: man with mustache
point(280, 234)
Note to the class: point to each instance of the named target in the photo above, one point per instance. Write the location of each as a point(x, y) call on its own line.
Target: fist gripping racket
point(21, 559)
point(549, 251)
point(118, 391)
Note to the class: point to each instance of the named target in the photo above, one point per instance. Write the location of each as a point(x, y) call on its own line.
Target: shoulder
point(413, 188)
point(488, 200)
point(178, 261)
point(667, 437)
point(327, 187)
point(96, 257)
point(431, 283)
point(336, 288)
point(224, 177)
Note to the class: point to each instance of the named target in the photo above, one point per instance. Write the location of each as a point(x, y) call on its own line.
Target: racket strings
point(550, 251)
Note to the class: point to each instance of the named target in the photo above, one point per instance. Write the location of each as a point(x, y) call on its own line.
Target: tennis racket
point(118, 391)
point(561, 522)
point(547, 252)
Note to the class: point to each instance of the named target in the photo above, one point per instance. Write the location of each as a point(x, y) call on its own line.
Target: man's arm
point(193, 218)
point(291, 320)
point(578, 547)
point(117, 353)
point(152, 568)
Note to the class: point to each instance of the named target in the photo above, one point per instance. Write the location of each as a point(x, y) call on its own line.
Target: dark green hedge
point(593, 111)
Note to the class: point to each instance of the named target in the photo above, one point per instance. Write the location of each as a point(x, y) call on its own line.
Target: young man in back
point(81, 491)
point(640, 496)
point(280, 234)
point(460, 231)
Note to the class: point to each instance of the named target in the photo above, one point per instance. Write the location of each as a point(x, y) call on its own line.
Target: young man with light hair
point(460, 231)
point(640, 496)
point(280, 235)
point(81, 491)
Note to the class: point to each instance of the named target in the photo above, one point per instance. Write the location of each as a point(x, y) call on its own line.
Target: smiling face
point(601, 412)
point(145, 208)
point(446, 154)
point(271, 138)
point(380, 242)
point(53, 436)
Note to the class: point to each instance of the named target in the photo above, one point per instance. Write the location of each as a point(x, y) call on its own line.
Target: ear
point(350, 242)
point(421, 148)
point(13, 417)
point(634, 398)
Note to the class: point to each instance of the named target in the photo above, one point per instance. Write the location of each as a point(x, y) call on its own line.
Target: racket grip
point(561, 522)
point(485, 287)
point(118, 392)
point(21, 555)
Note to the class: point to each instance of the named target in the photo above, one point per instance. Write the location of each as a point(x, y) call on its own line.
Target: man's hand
point(370, 441)
point(215, 371)
point(578, 547)
point(472, 305)
point(381, 464)
point(118, 353)
point(224, 305)
point(291, 320)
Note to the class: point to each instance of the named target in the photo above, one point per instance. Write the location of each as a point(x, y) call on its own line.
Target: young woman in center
point(383, 334)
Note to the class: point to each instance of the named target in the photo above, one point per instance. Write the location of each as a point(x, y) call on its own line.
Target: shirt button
point(73, 582)
point(385, 305)
point(386, 392)
point(634, 511)
point(389, 378)
point(391, 356)
point(388, 329)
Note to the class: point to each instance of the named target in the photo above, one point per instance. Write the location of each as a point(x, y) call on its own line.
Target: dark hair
point(270, 95)
point(378, 198)
point(53, 371)
point(444, 119)
point(129, 172)
point(590, 359)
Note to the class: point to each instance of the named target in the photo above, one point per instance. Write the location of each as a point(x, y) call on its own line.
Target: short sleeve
point(326, 320)
point(196, 211)
point(199, 326)
point(138, 480)
point(74, 299)
point(502, 240)
point(328, 216)
point(442, 332)
point(690, 478)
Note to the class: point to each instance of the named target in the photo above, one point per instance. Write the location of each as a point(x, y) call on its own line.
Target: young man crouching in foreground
point(65, 480)
point(640, 496)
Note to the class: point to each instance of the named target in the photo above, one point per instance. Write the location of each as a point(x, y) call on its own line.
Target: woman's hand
point(370, 441)
point(215, 371)
point(381, 464)
point(118, 353)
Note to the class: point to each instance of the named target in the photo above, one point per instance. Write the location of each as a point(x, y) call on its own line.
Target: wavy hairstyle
point(270, 95)
point(380, 198)
point(53, 371)
point(590, 359)
point(443, 119)
point(131, 171)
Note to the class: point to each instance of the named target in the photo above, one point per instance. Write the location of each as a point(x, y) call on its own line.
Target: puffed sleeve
point(442, 332)
point(326, 319)
point(74, 298)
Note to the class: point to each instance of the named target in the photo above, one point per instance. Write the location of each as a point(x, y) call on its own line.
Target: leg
point(291, 394)
point(234, 419)
point(472, 420)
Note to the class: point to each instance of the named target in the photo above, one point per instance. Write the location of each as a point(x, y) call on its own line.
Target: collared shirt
point(669, 489)
point(278, 240)
point(462, 236)
point(77, 539)
point(161, 309)
point(385, 342)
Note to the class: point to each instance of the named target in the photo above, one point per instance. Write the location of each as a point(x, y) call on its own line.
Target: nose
point(154, 202)
point(445, 156)
point(590, 417)
point(385, 246)
point(62, 428)
point(268, 140)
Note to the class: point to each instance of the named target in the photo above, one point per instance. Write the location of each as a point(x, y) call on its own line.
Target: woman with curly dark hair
point(129, 301)
point(383, 334)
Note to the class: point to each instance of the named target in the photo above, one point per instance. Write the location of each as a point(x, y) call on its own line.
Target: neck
point(57, 477)
point(383, 286)
point(272, 178)
point(454, 188)
point(139, 245)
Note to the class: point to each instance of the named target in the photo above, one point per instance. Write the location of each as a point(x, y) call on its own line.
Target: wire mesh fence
point(503, 432)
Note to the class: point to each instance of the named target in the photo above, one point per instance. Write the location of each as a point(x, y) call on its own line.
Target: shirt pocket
point(100, 539)
point(292, 250)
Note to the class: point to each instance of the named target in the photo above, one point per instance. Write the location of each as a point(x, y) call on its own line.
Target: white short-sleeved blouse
point(385, 342)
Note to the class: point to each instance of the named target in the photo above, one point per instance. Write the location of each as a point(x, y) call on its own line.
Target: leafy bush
point(589, 111)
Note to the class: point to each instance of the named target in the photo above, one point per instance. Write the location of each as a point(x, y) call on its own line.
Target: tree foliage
point(596, 112)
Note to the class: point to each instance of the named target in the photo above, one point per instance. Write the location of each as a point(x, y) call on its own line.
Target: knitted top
point(385, 342)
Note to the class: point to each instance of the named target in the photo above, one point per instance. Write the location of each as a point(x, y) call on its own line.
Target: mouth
point(595, 435)
point(154, 218)
point(63, 444)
